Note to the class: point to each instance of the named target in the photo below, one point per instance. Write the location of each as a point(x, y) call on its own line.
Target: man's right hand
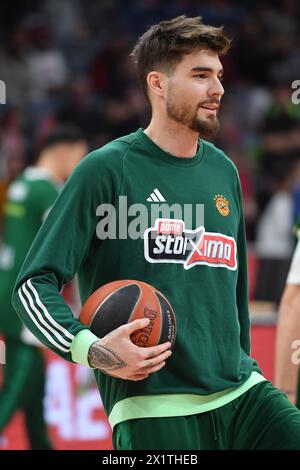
point(116, 355)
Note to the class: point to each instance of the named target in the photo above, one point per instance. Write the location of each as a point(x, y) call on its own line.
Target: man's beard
point(182, 114)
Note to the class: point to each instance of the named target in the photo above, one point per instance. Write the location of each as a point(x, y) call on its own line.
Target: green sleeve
point(56, 256)
point(242, 282)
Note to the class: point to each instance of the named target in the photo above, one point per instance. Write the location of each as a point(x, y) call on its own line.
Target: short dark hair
point(164, 44)
point(61, 134)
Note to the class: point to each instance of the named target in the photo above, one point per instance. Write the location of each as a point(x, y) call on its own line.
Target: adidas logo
point(156, 196)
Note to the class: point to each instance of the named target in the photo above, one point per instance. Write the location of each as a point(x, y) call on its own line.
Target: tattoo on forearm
point(104, 358)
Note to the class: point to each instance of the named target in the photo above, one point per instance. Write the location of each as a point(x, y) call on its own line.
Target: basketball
point(120, 302)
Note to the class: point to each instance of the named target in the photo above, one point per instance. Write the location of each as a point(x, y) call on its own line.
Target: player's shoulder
point(40, 178)
point(32, 180)
point(214, 152)
point(109, 157)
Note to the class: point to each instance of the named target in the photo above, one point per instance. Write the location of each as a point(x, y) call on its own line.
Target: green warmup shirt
point(199, 263)
point(28, 199)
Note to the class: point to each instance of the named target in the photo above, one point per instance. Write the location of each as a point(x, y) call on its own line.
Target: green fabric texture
point(260, 419)
point(177, 405)
point(81, 345)
point(28, 197)
point(209, 296)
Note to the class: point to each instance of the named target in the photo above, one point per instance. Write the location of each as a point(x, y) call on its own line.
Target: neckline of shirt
point(157, 151)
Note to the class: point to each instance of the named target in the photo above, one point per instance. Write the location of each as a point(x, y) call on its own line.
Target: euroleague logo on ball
point(170, 242)
point(119, 302)
point(141, 337)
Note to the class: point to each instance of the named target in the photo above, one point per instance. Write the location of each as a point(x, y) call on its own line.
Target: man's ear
point(156, 83)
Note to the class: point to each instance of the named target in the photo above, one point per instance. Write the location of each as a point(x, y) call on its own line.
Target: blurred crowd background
point(67, 61)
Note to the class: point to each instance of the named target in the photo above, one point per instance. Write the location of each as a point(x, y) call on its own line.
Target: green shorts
point(23, 388)
point(261, 418)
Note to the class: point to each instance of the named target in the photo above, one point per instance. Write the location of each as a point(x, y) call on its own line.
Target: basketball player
point(29, 198)
point(209, 394)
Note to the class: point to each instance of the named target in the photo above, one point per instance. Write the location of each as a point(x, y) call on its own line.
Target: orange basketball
point(120, 302)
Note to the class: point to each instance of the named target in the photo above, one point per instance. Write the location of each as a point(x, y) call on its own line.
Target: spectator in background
point(247, 183)
point(82, 107)
point(14, 167)
point(12, 155)
point(280, 136)
point(14, 70)
point(29, 198)
point(273, 239)
point(47, 66)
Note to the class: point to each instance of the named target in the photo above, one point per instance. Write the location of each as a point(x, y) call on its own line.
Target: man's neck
point(173, 138)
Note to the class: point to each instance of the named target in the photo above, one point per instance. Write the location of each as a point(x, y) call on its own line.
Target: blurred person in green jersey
point(29, 199)
point(208, 393)
point(14, 165)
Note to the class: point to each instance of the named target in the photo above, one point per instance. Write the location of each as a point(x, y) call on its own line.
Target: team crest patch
point(170, 242)
point(222, 204)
